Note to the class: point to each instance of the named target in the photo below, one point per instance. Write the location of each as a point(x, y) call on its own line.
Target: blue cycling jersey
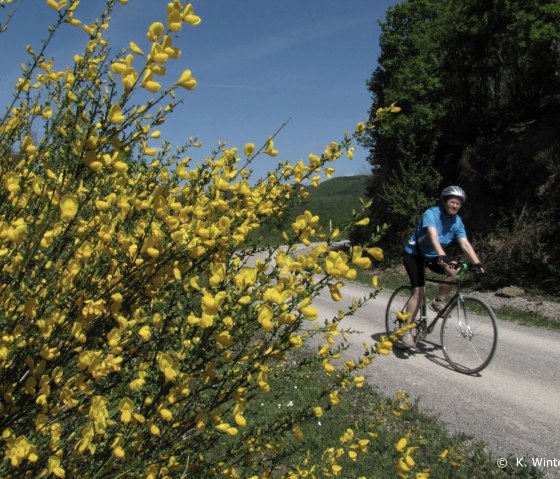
point(449, 228)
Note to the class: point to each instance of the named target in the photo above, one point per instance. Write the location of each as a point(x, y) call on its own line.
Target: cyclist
point(438, 227)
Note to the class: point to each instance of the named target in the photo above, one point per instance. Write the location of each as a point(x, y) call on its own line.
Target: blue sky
point(258, 63)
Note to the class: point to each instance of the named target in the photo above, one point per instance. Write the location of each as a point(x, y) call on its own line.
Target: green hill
point(333, 201)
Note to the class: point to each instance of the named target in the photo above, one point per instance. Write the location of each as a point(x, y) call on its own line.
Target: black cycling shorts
point(415, 267)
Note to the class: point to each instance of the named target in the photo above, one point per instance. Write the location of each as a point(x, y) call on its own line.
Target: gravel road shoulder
point(549, 309)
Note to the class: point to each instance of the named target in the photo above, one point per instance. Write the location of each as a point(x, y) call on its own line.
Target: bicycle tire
point(469, 335)
point(397, 303)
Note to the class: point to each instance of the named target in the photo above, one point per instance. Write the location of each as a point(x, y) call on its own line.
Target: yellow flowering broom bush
point(137, 320)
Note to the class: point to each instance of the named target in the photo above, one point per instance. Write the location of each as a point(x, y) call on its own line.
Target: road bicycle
point(469, 333)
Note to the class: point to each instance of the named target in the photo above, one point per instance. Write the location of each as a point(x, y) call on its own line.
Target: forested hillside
point(333, 200)
point(478, 83)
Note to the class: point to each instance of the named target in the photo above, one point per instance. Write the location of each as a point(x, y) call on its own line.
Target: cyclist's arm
point(467, 248)
point(433, 235)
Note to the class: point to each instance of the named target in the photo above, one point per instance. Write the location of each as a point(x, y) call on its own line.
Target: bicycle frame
point(422, 326)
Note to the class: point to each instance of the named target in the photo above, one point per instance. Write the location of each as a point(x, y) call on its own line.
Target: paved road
point(513, 405)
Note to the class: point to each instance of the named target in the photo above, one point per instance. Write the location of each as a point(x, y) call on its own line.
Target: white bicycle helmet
point(454, 191)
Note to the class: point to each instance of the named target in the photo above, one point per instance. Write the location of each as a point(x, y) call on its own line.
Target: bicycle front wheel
point(397, 304)
point(469, 335)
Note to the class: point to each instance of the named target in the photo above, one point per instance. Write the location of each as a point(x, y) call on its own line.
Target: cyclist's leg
point(414, 266)
point(450, 277)
point(415, 301)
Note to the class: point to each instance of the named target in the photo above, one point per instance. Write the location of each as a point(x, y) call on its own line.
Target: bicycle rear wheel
point(469, 335)
point(397, 304)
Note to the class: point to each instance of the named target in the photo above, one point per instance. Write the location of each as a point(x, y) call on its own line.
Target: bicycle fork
point(462, 320)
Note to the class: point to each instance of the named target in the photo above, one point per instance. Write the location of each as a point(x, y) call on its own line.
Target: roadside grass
point(383, 421)
point(527, 318)
point(390, 279)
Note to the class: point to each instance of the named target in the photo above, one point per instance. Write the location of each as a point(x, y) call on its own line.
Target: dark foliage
point(478, 82)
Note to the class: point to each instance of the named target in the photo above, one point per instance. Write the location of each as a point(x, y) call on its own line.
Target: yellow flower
point(359, 381)
point(328, 366)
point(68, 204)
point(265, 316)
point(149, 84)
point(174, 18)
point(115, 115)
point(385, 347)
point(28, 146)
point(358, 259)
point(218, 274)
point(135, 48)
point(98, 413)
point(401, 445)
point(57, 5)
point(376, 253)
point(403, 315)
point(166, 414)
point(18, 450)
point(298, 433)
point(11, 182)
point(240, 420)
point(402, 467)
point(244, 300)
point(155, 31)
point(118, 451)
point(126, 407)
point(136, 384)
point(309, 312)
point(168, 366)
point(189, 16)
point(336, 295)
point(145, 333)
point(347, 436)
point(211, 304)
point(363, 222)
point(269, 148)
point(54, 467)
point(249, 149)
point(227, 428)
point(333, 396)
point(296, 341)
point(186, 80)
point(18, 231)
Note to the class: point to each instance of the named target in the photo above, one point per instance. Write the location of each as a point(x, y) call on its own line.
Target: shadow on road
point(426, 348)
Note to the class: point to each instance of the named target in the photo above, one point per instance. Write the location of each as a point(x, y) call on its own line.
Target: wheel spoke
point(469, 335)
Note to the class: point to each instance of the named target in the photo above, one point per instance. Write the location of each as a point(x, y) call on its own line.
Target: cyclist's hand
point(478, 268)
point(445, 261)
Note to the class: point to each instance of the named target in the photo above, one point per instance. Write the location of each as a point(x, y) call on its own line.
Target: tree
point(478, 84)
point(409, 75)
